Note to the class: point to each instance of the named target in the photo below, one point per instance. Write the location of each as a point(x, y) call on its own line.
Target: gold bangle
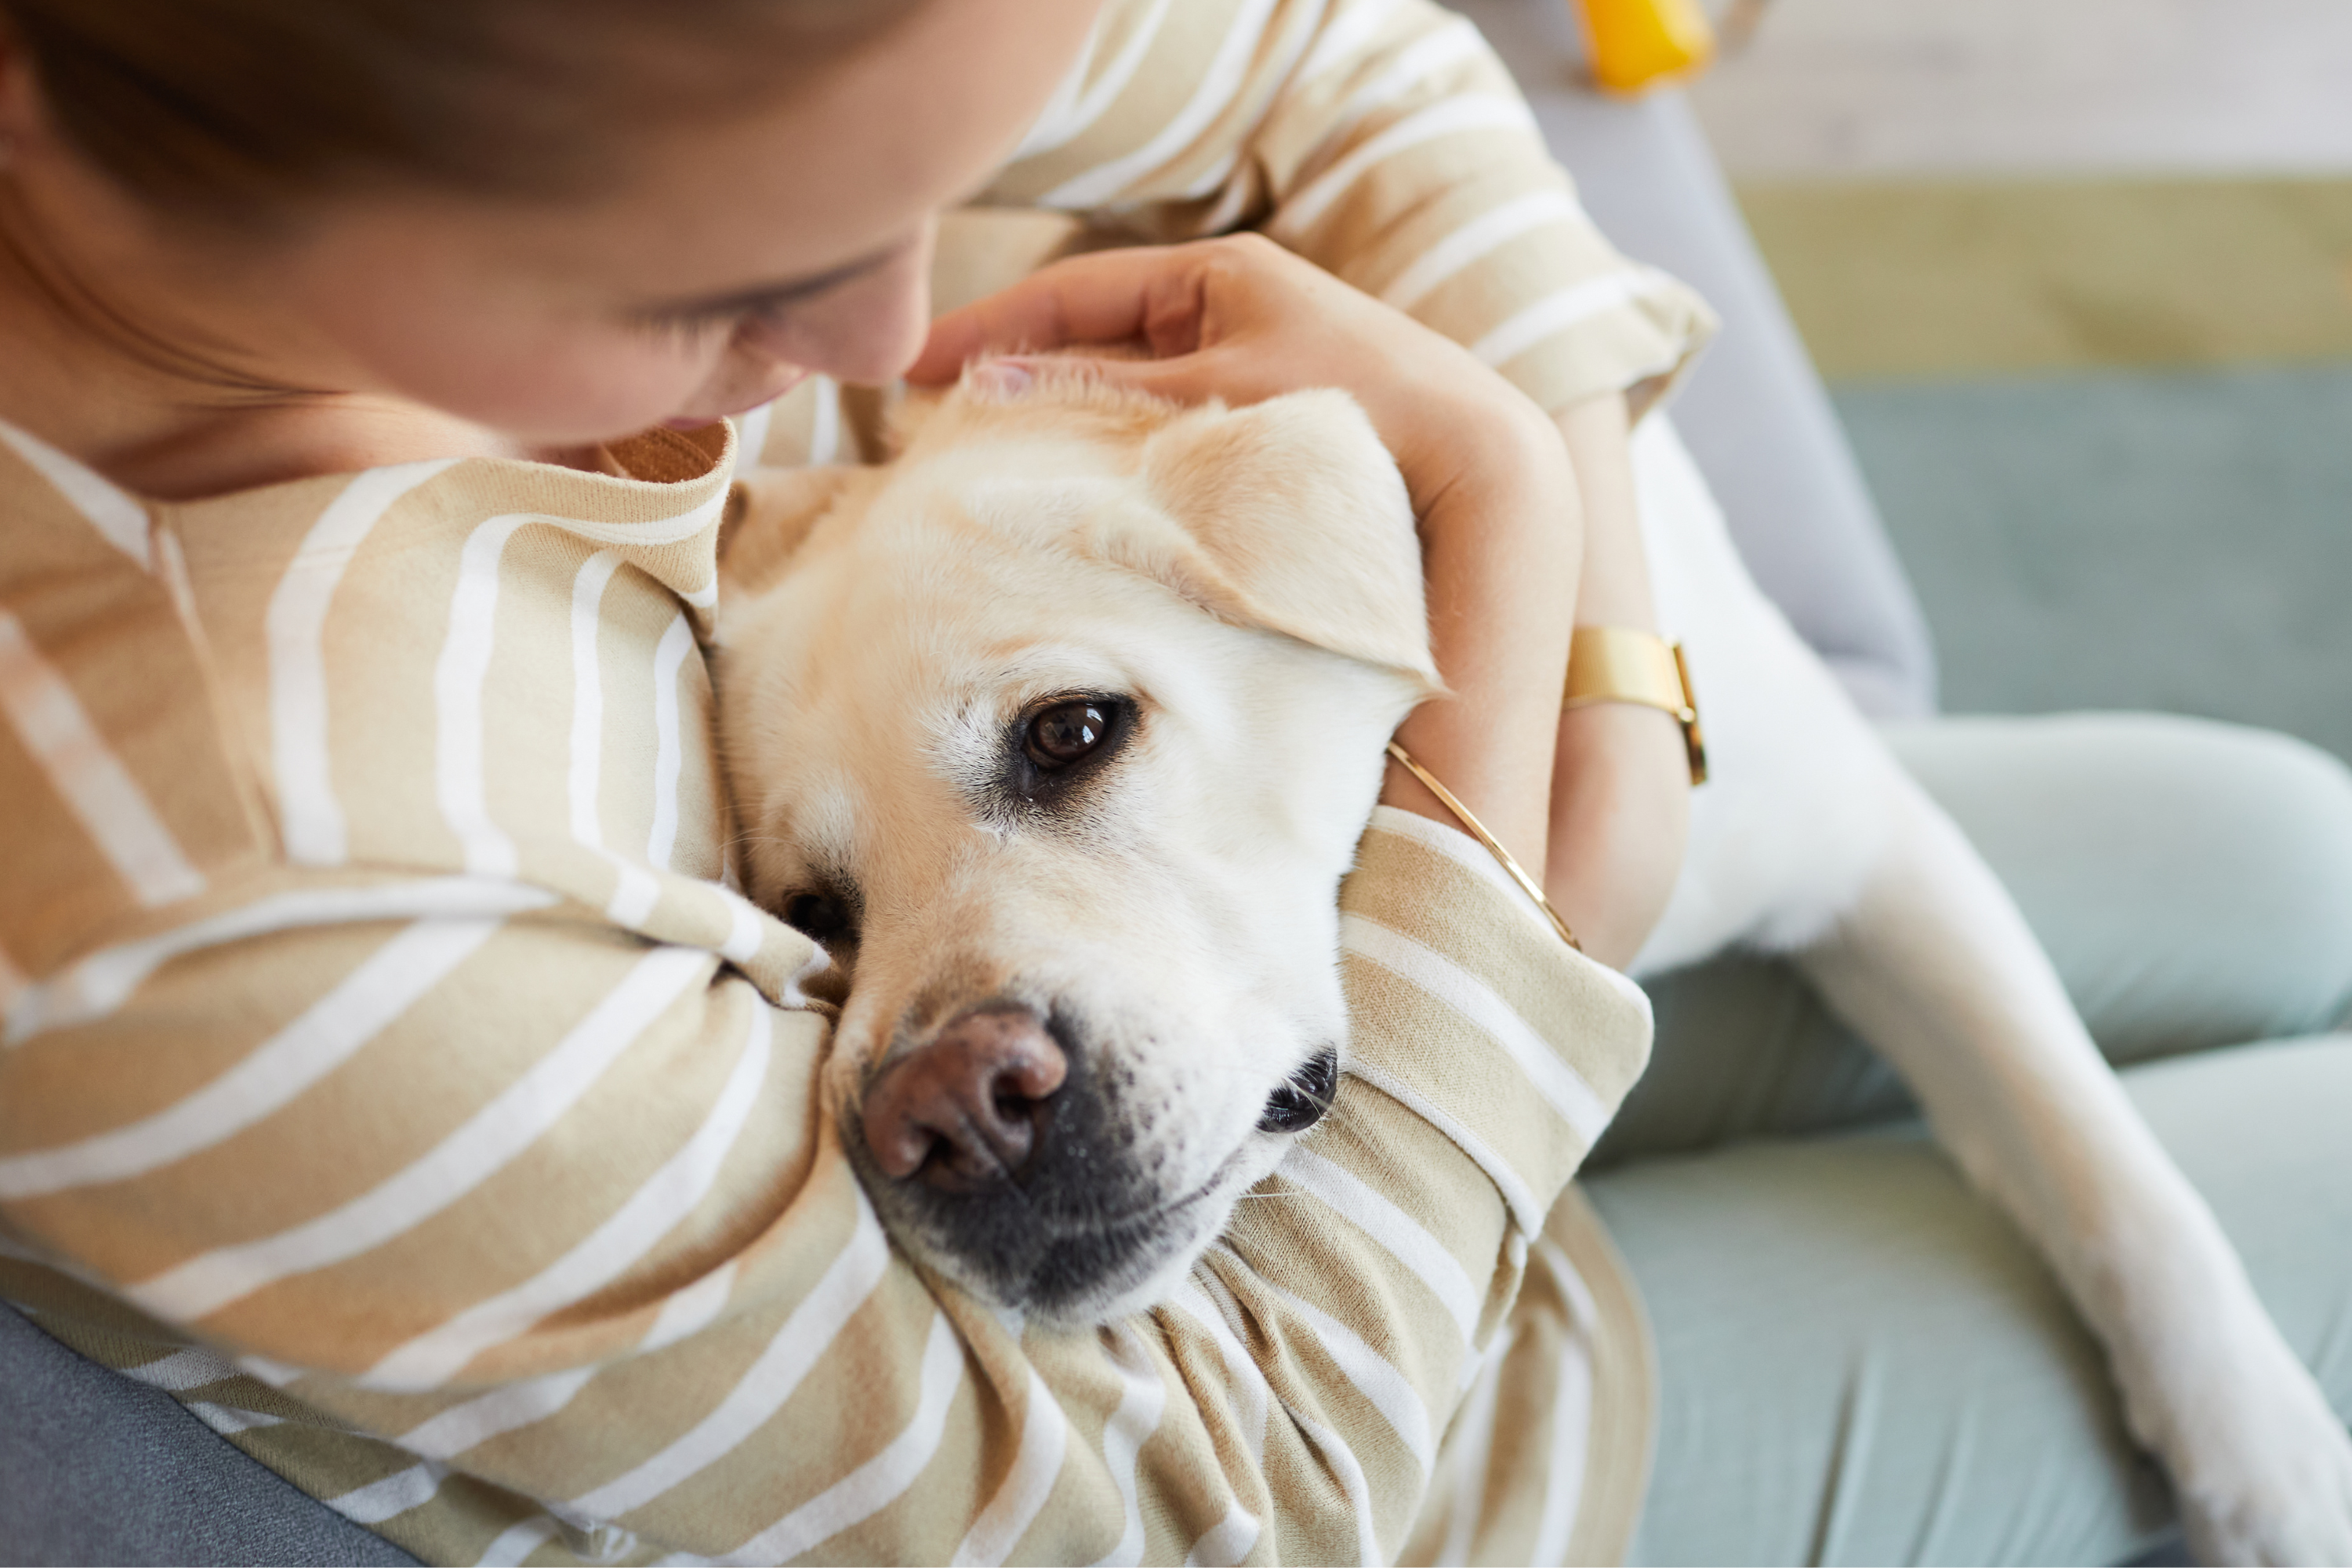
point(1620, 664)
point(1494, 845)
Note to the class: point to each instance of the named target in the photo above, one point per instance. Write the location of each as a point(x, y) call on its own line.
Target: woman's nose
point(869, 330)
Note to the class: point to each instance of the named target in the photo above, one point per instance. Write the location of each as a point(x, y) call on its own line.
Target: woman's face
point(726, 262)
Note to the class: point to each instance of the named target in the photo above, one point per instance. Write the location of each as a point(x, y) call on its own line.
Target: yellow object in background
point(1638, 42)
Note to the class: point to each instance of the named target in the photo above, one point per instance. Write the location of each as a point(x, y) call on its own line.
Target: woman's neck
point(143, 397)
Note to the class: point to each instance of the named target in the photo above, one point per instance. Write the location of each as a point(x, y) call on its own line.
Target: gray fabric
point(2191, 880)
point(1860, 1362)
point(1860, 1359)
point(95, 1467)
point(1753, 413)
point(2127, 539)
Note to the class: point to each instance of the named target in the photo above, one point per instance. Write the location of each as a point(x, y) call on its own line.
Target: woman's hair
point(240, 109)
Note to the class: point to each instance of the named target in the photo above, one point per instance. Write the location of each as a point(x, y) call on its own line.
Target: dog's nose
point(971, 1108)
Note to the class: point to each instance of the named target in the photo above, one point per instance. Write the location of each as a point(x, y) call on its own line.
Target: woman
point(381, 1014)
point(411, 934)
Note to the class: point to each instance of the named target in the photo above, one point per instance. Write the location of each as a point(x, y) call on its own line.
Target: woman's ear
point(1296, 520)
point(770, 512)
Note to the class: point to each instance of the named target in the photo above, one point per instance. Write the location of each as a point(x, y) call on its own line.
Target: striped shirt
point(390, 1071)
point(1380, 139)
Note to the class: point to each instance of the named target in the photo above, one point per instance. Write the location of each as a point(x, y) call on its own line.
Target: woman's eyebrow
point(767, 296)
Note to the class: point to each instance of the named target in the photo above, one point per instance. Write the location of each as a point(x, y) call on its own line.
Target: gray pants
point(1860, 1361)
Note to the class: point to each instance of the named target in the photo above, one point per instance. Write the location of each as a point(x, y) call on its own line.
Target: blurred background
point(2079, 276)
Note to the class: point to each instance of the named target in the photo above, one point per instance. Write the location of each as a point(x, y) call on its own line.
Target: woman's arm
point(1621, 793)
point(1499, 555)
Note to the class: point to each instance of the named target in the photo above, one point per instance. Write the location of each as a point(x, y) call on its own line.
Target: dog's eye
point(1060, 735)
point(1300, 1103)
point(818, 915)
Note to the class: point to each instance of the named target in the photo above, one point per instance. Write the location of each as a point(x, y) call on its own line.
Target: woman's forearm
point(1619, 809)
point(1500, 548)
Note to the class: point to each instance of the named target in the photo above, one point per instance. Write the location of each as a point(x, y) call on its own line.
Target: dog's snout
point(971, 1108)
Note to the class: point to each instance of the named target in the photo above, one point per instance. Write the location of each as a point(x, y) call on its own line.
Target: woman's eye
point(1060, 735)
point(818, 915)
point(695, 325)
point(686, 327)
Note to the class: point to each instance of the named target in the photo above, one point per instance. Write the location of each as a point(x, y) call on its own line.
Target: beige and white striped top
point(390, 1072)
point(380, 1021)
point(1381, 138)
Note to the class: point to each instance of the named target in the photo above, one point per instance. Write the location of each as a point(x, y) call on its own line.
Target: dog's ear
point(770, 512)
point(1296, 520)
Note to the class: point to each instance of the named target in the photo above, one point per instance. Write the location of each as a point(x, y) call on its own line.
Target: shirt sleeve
point(1382, 140)
point(507, 1233)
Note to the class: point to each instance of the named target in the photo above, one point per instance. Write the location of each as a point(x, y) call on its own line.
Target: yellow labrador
point(1062, 752)
point(1059, 731)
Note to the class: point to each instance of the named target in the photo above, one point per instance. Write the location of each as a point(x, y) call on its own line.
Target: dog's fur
point(1170, 911)
point(1247, 581)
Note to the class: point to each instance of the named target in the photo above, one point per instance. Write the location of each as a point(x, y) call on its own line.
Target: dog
point(1059, 731)
point(1074, 818)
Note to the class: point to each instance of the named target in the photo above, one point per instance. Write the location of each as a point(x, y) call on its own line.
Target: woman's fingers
point(1144, 296)
point(1242, 320)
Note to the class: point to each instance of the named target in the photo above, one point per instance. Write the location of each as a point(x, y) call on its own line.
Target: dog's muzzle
point(1008, 1154)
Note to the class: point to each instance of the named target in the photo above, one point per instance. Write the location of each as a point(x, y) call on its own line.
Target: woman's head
point(560, 218)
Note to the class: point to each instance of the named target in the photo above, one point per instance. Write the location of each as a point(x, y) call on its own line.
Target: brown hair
point(237, 108)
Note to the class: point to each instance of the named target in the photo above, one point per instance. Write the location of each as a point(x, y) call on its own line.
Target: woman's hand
point(1242, 320)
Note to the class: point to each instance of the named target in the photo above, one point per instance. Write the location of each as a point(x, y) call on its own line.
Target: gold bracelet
point(1619, 664)
point(1494, 845)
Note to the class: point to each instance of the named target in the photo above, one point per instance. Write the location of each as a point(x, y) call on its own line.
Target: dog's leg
point(1936, 967)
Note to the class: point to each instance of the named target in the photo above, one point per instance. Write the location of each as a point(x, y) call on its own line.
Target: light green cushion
point(2192, 880)
point(1860, 1361)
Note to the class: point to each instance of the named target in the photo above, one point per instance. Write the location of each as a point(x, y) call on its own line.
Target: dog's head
point(1059, 733)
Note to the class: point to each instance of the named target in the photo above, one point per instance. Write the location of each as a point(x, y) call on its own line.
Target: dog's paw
point(2277, 1489)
